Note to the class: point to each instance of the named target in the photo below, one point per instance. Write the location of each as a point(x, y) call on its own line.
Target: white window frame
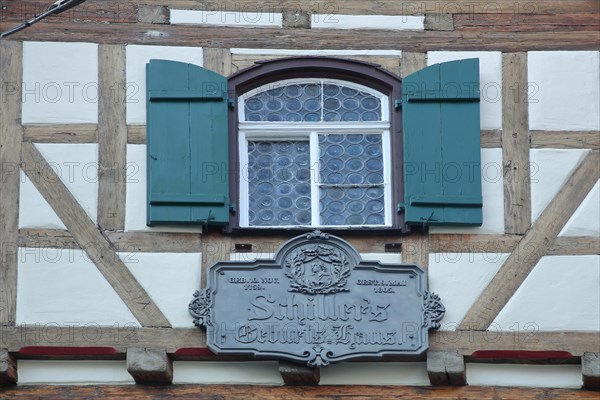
point(309, 131)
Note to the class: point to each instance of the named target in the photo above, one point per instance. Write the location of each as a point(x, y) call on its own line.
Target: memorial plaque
point(316, 303)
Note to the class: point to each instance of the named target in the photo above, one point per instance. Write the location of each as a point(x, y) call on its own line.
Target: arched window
point(314, 150)
point(313, 142)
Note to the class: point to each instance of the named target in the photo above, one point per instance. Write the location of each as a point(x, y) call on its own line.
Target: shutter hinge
point(232, 208)
point(397, 104)
point(400, 207)
point(231, 104)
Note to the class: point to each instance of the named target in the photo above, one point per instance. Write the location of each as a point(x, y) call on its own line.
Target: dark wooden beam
point(228, 37)
point(8, 369)
point(208, 392)
point(299, 375)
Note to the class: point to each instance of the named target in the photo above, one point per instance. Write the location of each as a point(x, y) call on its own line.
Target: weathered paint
point(560, 294)
point(564, 90)
point(60, 82)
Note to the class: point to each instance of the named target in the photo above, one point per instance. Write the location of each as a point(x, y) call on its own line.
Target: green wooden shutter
point(187, 144)
point(442, 161)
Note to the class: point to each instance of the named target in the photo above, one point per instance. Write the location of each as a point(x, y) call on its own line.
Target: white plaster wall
point(247, 18)
point(459, 279)
point(393, 22)
point(135, 194)
point(77, 167)
point(34, 210)
point(135, 68)
point(550, 376)
point(170, 280)
point(586, 219)
point(218, 372)
point(492, 191)
point(64, 287)
point(490, 81)
point(561, 293)
point(37, 372)
point(385, 258)
point(550, 169)
point(321, 52)
point(60, 82)
point(564, 90)
point(375, 373)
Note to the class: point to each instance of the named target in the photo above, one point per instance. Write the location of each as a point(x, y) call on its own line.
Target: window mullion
point(314, 170)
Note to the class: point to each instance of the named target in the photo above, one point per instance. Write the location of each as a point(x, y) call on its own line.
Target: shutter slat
point(182, 186)
point(442, 161)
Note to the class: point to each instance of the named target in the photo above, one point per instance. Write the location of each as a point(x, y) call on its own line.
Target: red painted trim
point(522, 354)
point(66, 351)
point(194, 351)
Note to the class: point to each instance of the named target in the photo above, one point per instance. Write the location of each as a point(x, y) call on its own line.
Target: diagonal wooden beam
point(90, 239)
point(535, 244)
point(11, 136)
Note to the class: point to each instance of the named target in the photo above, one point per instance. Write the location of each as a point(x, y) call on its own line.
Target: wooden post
point(112, 138)
point(11, 136)
point(149, 366)
point(8, 369)
point(412, 62)
point(515, 144)
point(299, 375)
point(218, 60)
point(446, 368)
point(590, 368)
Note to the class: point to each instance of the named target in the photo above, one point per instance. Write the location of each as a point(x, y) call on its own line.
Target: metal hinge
point(400, 207)
point(397, 104)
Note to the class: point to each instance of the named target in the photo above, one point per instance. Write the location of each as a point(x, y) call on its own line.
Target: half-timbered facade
point(98, 268)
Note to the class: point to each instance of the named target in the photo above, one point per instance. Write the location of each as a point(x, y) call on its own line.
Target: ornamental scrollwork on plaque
point(434, 310)
point(318, 357)
point(317, 269)
point(200, 307)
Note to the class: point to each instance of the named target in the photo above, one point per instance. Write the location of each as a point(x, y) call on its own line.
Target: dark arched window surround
point(367, 74)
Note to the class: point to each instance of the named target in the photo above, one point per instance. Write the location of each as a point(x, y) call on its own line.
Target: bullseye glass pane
point(279, 183)
point(313, 102)
point(352, 206)
point(352, 159)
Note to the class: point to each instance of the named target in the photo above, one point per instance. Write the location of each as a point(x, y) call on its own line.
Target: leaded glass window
point(314, 153)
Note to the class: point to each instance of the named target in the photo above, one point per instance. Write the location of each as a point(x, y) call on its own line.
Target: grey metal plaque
point(317, 302)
